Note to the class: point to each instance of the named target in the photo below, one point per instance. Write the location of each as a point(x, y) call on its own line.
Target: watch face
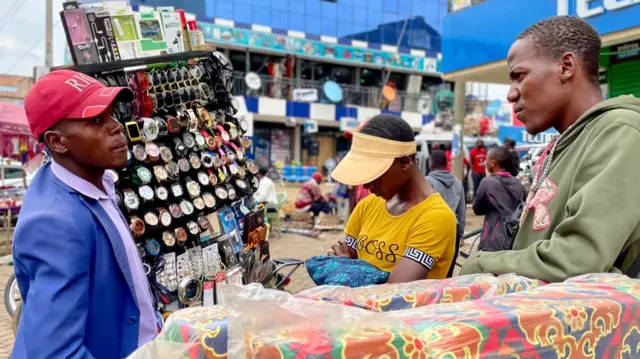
point(151, 219)
point(255, 183)
point(241, 172)
point(231, 156)
point(203, 178)
point(172, 168)
point(221, 192)
point(186, 207)
point(183, 164)
point(233, 132)
point(150, 129)
point(193, 188)
point(175, 211)
point(233, 168)
point(252, 167)
point(217, 162)
point(114, 175)
point(209, 200)
point(131, 201)
point(153, 247)
point(165, 154)
point(225, 136)
point(137, 226)
point(165, 218)
point(198, 203)
point(162, 193)
point(174, 125)
point(139, 153)
point(169, 239)
point(240, 183)
point(152, 149)
point(194, 160)
point(213, 179)
point(181, 235)
point(207, 160)
point(244, 125)
point(240, 154)
point(194, 228)
point(146, 192)
point(161, 173)
point(176, 190)
point(231, 192)
point(188, 140)
point(144, 174)
point(200, 141)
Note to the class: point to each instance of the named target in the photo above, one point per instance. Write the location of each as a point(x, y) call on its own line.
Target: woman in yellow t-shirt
point(404, 227)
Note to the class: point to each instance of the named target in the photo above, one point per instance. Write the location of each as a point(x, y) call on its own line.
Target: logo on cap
point(80, 81)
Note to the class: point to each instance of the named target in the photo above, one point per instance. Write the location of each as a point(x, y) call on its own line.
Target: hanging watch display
point(221, 192)
point(231, 192)
point(179, 147)
point(163, 126)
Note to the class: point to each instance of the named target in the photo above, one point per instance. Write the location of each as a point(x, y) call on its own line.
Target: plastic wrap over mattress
point(388, 297)
point(593, 316)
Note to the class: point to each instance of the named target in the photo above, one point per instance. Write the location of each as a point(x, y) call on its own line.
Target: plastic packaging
point(389, 297)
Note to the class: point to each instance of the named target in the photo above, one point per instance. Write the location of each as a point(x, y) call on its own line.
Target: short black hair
point(438, 159)
point(557, 35)
point(263, 170)
point(503, 156)
point(510, 142)
point(389, 127)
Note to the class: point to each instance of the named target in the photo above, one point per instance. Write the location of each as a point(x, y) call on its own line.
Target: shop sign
point(310, 126)
point(305, 95)
point(626, 52)
point(585, 8)
point(523, 137)
point(315, 49)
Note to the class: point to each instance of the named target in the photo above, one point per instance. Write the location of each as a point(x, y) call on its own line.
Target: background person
point(510, 144)
point(582, 213)
point(266, 193)
point(310, 197)
point(84, 290)
point(478, 155)
point(499, 195)
point(406, 228)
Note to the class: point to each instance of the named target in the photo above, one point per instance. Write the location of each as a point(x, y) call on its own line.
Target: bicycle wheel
point(12, 295)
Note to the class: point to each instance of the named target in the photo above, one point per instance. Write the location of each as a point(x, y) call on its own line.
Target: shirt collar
point(82, 186)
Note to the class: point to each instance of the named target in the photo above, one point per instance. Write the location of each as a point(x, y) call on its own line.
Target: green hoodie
point(587, 211)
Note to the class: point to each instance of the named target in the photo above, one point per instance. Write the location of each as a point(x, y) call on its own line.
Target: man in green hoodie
point(583, 211)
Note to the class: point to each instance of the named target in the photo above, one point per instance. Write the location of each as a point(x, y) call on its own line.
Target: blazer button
point(132, 320)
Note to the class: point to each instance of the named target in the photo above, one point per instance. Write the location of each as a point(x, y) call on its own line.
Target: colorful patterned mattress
point(593, 316)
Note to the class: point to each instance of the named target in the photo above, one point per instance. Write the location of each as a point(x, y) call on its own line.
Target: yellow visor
point(369, 158)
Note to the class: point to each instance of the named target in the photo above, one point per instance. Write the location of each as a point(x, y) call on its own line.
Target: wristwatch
point(179, 147)
point(146, 193)
point(188, 140)
point(231, 192)
point(241, 184)
point(193, 121)
point(173, 124)
point(161, 173)
point(233, 169)
point(203, 178)
point(183, 164)
point(209, 200)
point(203, 223)
point(239, 153)
point(206, 159)
point(186, 207)
point(153, 152)
point(150, 129)
point(131, 200)
point(206, 117)
point(183, 118)
point(200, 140)
point(213, 178)
point(137, 226)
point(198, 203)
point(252, 167)
point(176, 190)
point(119, 198)
point(165, 154)
point(181, 235)
point(223, 157)
point(172, 170)
point(153, 247)
point(221, 192)
point(231, 156)
point(139, 153)
point(175, 210)
point(222, 174)
point(162, 193)
point(192, 187)
point(255, 183)
point(151, 219)
point(231, 129)
point(133, 131)
point(194, 159)
point(168, 239)
point(141, 175)
point(165, 217)
point(223, 134)
point(163, 126)
point(193, 227)
point(208, 139)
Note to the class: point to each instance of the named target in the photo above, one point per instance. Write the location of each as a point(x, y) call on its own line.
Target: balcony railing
point(352, 95)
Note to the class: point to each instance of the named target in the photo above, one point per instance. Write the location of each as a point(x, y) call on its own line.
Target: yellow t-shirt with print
point(426, 234)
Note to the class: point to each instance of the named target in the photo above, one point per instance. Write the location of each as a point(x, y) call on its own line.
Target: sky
point(22, 42)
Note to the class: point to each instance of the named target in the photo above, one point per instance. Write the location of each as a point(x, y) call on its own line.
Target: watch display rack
point(187, 186)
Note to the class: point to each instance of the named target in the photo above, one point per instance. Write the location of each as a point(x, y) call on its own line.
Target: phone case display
point(151, 34)
point(172, 29)
point(78, 32)
point(187, 182)
point(103, 36)
point(126, 33)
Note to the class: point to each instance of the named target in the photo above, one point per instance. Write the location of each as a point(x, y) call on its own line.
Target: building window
point(238, 60)
point(11, 89)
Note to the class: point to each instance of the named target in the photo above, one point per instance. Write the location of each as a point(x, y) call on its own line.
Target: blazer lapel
point(117, 245)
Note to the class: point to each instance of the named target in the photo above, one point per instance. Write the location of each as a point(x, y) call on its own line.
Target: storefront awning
point(13, 120)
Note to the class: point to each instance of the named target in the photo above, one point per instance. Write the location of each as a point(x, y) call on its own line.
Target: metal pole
point(48, 53)
point(458, 116)
point(388, 74)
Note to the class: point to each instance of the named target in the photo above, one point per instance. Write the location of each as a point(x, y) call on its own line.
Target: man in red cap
point(310, 196)
point(80, 275)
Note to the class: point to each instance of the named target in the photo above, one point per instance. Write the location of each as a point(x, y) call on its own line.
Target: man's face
point(390, 183)
point(99, 142)
point(536, 90)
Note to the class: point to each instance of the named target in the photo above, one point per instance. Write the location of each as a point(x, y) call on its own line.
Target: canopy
point(13, 120)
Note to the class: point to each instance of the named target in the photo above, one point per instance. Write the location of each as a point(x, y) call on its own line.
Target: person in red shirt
point(478, 156)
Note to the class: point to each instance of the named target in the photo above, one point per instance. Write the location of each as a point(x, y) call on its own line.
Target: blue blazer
point(73, 275)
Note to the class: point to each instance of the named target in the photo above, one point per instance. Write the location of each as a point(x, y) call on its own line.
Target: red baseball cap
point(66, 94)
